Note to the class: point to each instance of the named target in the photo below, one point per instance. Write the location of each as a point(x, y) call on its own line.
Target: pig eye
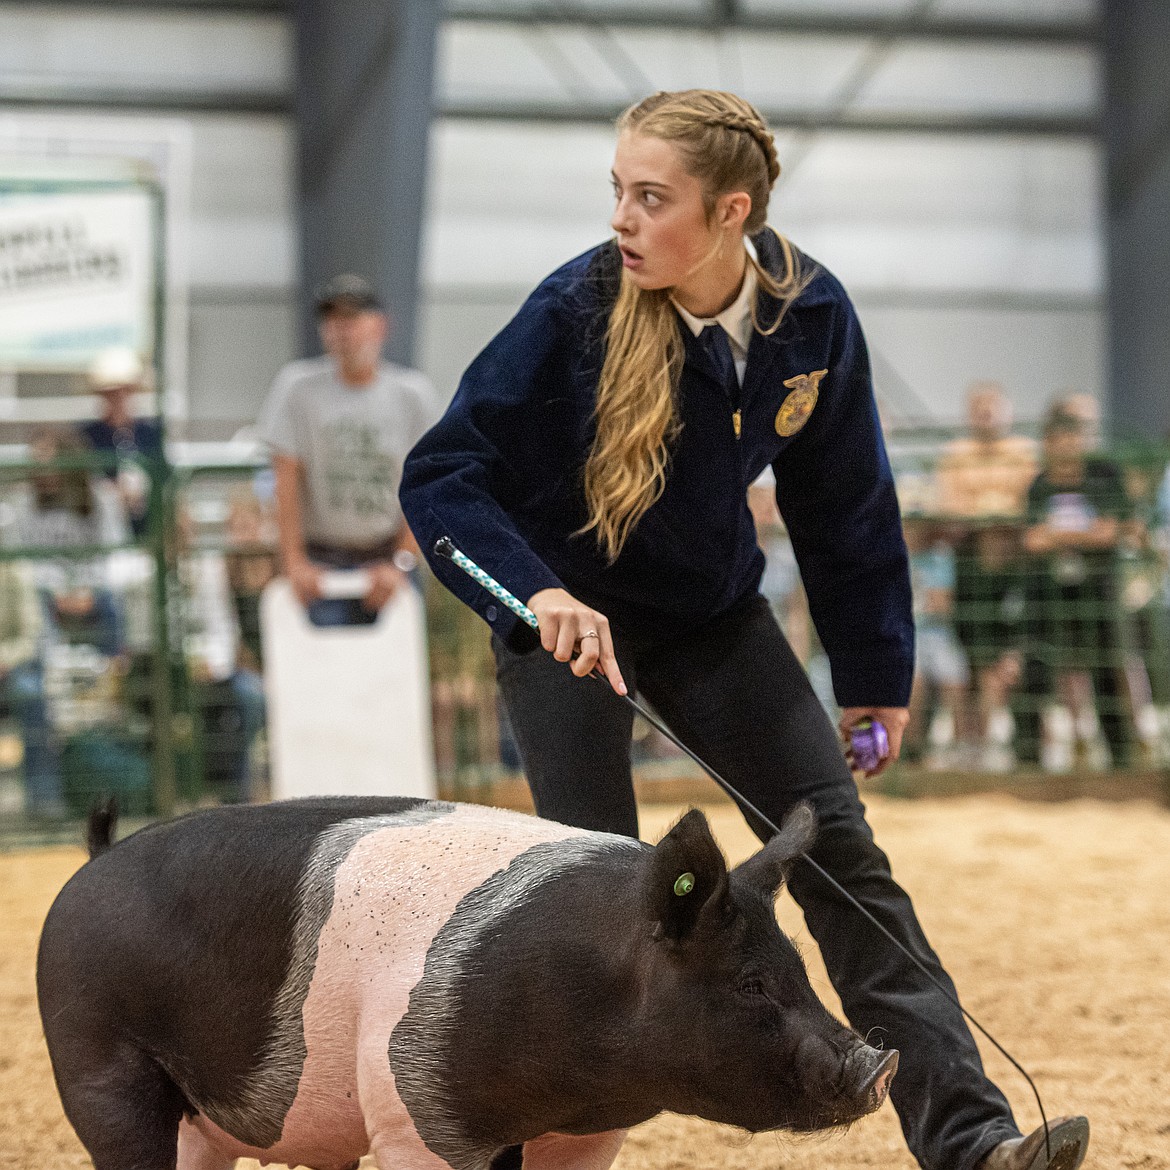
point(751, 987)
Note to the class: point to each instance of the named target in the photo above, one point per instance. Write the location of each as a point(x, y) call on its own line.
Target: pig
point(445, 986)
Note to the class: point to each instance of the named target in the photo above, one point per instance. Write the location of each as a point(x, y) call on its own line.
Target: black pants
point(735, 694)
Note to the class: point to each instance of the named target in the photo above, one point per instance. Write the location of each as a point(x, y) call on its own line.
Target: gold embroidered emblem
point(795, 409)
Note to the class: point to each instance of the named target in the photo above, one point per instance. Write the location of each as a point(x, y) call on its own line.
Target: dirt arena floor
point(1054, 920)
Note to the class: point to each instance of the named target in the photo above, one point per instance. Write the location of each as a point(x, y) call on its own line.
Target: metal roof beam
point(23, 95)
point(243, 7)
point(897, 122)
point(726, 14)
point(568, 113)
point(720, 14)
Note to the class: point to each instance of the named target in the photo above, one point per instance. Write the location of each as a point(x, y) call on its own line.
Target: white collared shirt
point(736, 319)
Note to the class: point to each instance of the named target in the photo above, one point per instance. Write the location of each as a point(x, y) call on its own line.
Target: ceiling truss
point(602, 25)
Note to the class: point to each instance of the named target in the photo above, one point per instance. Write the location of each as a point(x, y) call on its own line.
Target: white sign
point(77, 274)
point(349, 707)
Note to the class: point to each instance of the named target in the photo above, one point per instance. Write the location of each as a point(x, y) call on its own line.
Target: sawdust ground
point(1053, 919)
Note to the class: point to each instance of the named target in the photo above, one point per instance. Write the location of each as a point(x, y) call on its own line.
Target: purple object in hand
point(870, 744)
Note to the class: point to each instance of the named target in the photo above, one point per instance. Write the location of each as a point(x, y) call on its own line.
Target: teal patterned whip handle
point(444, 547)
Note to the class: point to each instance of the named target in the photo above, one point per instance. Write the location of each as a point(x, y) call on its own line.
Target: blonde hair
point(724, 143)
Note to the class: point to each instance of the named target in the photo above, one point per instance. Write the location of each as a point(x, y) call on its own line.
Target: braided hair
point(723, 142)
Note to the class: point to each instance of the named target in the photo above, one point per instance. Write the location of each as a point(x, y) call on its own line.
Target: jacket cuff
point(522, 575)
point(888, 686)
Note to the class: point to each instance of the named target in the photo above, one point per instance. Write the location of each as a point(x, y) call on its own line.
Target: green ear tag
point(684, 884)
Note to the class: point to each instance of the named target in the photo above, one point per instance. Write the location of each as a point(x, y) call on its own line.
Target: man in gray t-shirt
point(339, 428)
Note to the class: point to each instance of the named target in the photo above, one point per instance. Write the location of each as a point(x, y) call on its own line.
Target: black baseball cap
point(347, 291)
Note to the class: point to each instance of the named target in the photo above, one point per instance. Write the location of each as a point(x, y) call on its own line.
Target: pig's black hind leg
point(124, 1107)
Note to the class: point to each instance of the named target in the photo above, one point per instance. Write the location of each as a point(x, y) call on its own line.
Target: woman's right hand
point(567, 625)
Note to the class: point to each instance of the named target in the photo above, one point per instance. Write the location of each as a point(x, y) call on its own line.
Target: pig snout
point(879, 1069)
point(840, 1083)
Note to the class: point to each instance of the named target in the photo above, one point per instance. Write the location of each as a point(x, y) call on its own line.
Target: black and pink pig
point(439, 985)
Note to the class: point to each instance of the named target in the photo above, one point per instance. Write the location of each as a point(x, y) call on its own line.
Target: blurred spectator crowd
point(1041, 595)
point(1039, 566)
point(81, 648)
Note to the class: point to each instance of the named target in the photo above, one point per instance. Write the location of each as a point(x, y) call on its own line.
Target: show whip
point(445, 547)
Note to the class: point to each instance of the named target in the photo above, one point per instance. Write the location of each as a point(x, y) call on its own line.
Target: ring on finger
point(589, 634)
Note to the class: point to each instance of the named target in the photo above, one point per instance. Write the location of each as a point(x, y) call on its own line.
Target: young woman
point(596, 461)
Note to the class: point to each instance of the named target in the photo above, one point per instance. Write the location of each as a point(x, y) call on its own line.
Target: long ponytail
point(725, 143)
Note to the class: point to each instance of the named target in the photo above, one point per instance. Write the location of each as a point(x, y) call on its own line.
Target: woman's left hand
point(385, 581)
point(894, 719)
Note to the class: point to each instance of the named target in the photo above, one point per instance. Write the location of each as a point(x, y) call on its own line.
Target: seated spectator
point(781, 585)
point(983, 480)
point(116, 376)
point(251, 563)
point(22, 688)
point(64, 694)
point(217, 681)
point(940, 666)
point(1077, 507)
point(68, 508)
point(228, 695)
point(781, 581)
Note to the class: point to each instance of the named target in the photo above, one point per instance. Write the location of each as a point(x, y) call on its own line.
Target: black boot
point(1068, 1139)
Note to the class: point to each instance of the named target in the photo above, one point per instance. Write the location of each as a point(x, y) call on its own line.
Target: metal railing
point(1031, 664)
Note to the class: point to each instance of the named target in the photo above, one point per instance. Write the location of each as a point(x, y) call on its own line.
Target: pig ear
point(687, 874)
point(768, 869)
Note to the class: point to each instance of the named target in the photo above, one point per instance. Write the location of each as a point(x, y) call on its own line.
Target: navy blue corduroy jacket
point(501, 475)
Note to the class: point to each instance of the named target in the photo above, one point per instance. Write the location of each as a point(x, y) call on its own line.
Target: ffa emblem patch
point(796, 408)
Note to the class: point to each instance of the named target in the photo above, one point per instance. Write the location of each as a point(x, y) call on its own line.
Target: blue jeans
point(340, 611)
point(102, 628)
point(248, 692)
point(24, 691)
point(734, 692)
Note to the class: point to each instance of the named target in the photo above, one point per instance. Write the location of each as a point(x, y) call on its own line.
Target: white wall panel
point(924, 358)
point(1055, 10)
point(1002, 231)
point(73, 47)
point(986, 78)
point(239, 339)
point(938, 353)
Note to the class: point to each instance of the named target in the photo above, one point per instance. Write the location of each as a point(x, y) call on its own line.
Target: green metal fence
point(1034, 661)
point(1041, 608)
point(86, 702)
